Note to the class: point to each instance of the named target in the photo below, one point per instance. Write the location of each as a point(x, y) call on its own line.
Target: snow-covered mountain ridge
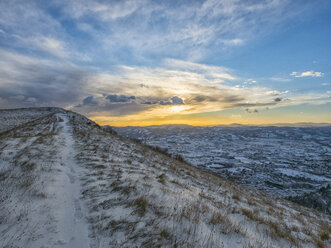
point(66, 183)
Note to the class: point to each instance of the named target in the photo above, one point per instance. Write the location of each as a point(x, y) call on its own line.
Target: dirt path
point(72, 229)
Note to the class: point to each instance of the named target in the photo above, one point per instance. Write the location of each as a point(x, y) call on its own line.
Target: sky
point(146, 62)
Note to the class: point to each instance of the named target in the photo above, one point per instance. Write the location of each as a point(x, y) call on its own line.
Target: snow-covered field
point(10, 118)
point(66, 183)
point(287, 161)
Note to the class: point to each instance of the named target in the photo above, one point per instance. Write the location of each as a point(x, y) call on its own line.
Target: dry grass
point(236, 197)
point(141, 205)
point(27, 181)
point(206, 196)
point(251, 202)
point(324, 235)
point(165, 234)
point(28, 166)
point(162, 178)
point(319, 243)
point(216, 218)
point(100, 166)
point(277, 230)
point(4, 175)
point(126, 190)
point(248, 213)
point(226, 226)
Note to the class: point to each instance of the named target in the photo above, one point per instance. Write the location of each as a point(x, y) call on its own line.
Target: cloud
point(250, 81)
point(232, 42)
point(173, 101)
point(26, 22)
point(136, 31)
point(119, 109)
point(250, 111)
point(27, 18)
point(190, 82)
point(216, 72)
point(106, 10)
point(176, 100)
point(88, 101)
point(42, 44)
point(39, 81)
point(51, 46)
point(280, 79)
point(156, 91)
point(189, 30)
point(69, 53)
point(120, 98)
point(110, 105)
point(307, 74)
point(197, 87)
point(276, 92)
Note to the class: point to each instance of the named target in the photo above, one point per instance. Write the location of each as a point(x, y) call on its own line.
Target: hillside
point(290, 162)
point(67, 183)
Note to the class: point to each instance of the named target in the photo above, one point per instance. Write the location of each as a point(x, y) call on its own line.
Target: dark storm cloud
point(120, 98)
point(148, 103)
point(88, 101)
point(173, 101)
point(177, 100)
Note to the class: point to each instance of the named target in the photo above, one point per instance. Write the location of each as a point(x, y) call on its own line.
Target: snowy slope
point(66, 183)
point(10, 118)
point(291, 162)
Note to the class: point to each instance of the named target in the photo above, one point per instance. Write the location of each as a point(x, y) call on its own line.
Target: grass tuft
point(141, 204)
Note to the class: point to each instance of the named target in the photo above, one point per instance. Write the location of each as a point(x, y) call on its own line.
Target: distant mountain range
point(298, 124)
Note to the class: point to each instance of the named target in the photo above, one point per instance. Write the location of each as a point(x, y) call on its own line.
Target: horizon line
point(294, 124)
